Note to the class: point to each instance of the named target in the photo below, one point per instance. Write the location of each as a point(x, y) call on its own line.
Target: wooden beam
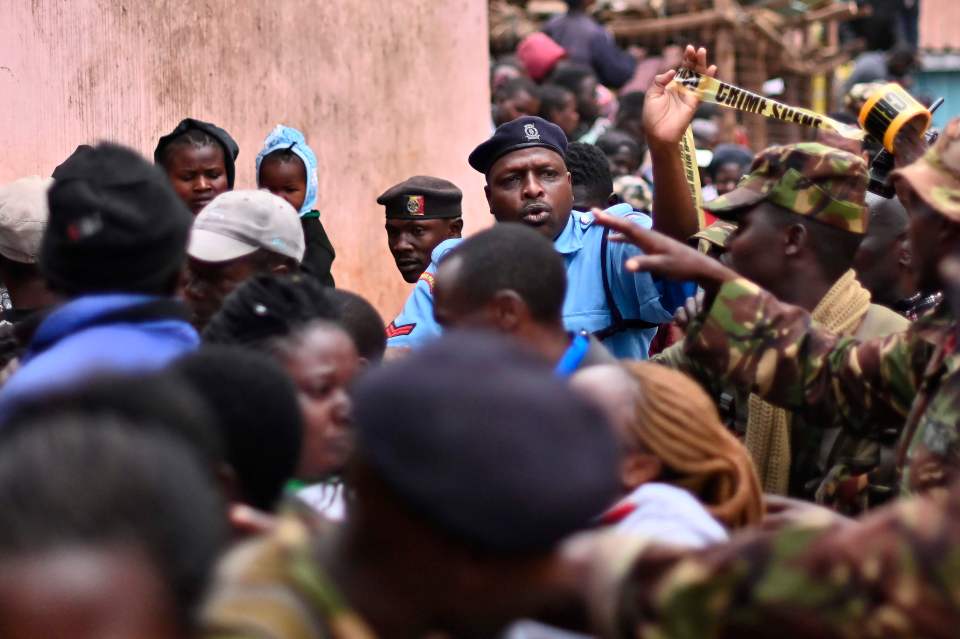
point(725, 57)
point(816, 66)
point(636, 28)
point(845, 11)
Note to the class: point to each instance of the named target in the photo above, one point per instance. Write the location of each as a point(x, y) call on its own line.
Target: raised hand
point(667, 112)
point(690, 309)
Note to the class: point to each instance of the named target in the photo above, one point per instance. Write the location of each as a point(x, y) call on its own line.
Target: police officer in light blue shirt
point(415, 324)
point(528, 183)
point(624, 296)
point(423, 222)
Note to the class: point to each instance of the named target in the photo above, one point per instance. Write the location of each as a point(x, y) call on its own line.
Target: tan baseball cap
point(237, 223)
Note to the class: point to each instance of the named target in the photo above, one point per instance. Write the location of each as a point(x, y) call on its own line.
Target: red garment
point(539, 55)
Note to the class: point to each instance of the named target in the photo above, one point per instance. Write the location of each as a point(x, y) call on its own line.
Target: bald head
point(612, 390)
point(888, 217)
point(884, 260)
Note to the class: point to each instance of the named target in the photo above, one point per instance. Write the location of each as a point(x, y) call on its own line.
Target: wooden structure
point(751, 41)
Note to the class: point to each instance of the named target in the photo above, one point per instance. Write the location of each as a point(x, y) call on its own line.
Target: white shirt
point(668, 514)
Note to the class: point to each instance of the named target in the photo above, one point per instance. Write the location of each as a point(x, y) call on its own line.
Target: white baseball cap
point(237, 223)
point(23, 218)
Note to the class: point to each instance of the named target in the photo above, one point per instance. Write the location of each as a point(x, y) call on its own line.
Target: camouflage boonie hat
point(809, 179)
point(714, 235)
point(936, 176)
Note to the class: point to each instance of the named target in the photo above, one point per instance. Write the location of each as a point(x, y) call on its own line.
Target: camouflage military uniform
point(895, 574)
point(792, 454)
point(274, 588)
point(907, 383)
point(635, 191)
point(713, 239)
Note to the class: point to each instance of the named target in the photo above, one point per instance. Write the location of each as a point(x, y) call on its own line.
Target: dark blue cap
point(490, 446)
point(522, 133)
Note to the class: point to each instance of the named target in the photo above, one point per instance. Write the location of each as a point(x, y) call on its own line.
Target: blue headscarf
point(286, 137)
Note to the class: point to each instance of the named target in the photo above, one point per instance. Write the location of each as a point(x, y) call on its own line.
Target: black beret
point(230, 148)
point(491, 448)
point(522, 133)
point(422, 198)
point(115, 224)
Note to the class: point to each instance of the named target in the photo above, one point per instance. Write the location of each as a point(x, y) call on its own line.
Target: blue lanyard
point(573, 356)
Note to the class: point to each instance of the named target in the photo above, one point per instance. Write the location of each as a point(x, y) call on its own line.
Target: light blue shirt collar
point(570, 239)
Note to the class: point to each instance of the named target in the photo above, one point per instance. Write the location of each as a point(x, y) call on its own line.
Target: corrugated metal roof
point(939, 25)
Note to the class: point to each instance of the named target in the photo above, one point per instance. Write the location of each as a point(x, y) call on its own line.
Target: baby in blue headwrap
point(287, 167)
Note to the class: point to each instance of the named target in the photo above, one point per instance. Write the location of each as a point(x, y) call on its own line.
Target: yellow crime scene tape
point(732, 97)
point(688, 155)
point(714, 91)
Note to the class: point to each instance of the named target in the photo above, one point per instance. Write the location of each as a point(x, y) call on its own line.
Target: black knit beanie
point(115, 225)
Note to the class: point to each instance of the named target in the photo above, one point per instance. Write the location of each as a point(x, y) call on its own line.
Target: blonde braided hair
point(677, 422)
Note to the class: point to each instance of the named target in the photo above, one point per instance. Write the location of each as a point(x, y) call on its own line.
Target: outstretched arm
point(667, 112)
point(886, 576)
point(759, 344)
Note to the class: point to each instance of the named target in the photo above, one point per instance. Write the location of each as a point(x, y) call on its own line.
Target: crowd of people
point(599, 417)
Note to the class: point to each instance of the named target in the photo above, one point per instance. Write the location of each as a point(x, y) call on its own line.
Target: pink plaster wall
point(383, 89)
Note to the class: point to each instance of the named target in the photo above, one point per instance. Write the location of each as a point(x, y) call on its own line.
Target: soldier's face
point(531, 186)
point(412, 242)
point(754, 249)
point(926, 227)
point(883, 260)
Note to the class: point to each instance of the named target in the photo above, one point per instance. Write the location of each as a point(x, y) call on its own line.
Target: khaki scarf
point(768, 428)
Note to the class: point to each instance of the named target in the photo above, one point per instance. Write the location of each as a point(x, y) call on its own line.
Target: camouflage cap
point(936, 176)
point(809, 179)
point(716, 234)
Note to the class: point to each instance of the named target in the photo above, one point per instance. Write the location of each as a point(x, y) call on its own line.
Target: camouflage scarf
point(768, 428)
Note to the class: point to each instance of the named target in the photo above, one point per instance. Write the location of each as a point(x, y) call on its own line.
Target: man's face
point(209, 283)
point(755, 249)
point(587, 103)
point(286, 179)
point(623, 162)
point(198, 174)
point(531, 186)
point(567, 117)
point(411, 243)
point(925, 228)
point(728, 175)
point(517, 106)
point(879, 261)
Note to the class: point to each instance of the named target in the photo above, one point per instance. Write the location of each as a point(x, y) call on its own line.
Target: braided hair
point(677, 422)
